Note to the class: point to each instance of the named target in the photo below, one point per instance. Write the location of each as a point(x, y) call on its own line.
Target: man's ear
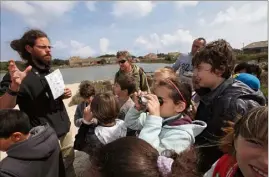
point(29, 48)
point(130, 59)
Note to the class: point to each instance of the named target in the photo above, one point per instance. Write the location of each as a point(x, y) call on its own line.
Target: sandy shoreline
point(71, 110)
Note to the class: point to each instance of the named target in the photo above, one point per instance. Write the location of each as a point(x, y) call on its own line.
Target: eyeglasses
point(122, 61)
point(43, 47)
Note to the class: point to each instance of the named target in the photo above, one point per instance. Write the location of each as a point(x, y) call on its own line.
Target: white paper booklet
point(56, 83)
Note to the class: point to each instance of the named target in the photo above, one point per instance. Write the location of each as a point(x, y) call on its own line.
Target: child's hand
point(88, 114)
point(135, 98)
point(153, 104)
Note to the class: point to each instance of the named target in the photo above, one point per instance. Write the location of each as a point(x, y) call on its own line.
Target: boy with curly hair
point(227, 97)
point(87, 92)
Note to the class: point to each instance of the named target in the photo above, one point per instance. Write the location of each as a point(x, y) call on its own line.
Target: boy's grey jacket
point(38, 156)
point(229, 100)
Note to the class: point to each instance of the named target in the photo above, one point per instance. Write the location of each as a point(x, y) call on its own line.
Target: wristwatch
point(11, 92)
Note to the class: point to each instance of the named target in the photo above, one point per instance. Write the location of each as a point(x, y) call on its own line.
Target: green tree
point(168, 58)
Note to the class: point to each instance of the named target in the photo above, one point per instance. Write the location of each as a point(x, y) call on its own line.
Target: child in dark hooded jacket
point(30, 152)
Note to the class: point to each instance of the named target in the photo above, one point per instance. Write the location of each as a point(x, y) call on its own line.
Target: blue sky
point(93, 28)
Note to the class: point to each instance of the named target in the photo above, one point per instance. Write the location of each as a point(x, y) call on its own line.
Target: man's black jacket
point(36, 100)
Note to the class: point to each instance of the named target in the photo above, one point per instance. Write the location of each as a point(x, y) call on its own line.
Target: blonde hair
point(166, 72)
point(253, 125)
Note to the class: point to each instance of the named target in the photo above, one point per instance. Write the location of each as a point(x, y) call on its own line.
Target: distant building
point(256, 47)
point(151, 56)
point(77, 61)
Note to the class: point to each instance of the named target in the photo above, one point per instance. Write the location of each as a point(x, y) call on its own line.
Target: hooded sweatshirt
point(38, 156)
point(174, 133)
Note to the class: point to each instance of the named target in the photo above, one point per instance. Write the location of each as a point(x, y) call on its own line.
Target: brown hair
point(219, 54)
point(253, 125)
point(28, 38)
point(133, 157)
point(105, 108)
point(86, 89)
point(127, 82)
point(184, 95)
point(124, 54)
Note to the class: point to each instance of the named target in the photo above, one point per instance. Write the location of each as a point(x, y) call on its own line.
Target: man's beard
point(42, 61)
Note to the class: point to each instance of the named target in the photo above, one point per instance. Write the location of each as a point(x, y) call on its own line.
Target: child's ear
point(180, 107)
point(125, 91)
point(220, 71)
point(17, 136)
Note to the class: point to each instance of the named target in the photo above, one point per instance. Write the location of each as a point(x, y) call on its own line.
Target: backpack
point(141, 72)
point(225, 167)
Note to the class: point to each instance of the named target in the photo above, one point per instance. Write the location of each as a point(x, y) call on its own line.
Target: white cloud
point(20, 7)
point(151, 43)
point(91, 5)
point(244, 14)
point(201, 21)
point(182, 4)
point(243, 22)
point(104, 44)
point(180, 39)
point(60, 45)
point(132, 8)
point(38, 13)
point(112, 26)
point(80, 49)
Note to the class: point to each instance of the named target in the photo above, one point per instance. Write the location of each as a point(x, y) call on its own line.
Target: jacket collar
point(209, 97)
point(179, 119)
point(39, 66)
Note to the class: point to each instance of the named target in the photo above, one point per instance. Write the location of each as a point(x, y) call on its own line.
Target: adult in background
point(124, 59)
point(35, 97)
point(245, 67)
point(184, 61)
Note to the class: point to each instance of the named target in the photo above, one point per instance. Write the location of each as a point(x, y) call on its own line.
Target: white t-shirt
point(184, 66)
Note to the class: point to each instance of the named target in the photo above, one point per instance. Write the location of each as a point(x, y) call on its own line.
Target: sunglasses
point(122, 61)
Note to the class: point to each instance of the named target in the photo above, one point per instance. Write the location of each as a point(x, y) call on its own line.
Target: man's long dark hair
point(28, 38)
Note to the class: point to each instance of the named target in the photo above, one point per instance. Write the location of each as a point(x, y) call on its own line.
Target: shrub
point(100, 87)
